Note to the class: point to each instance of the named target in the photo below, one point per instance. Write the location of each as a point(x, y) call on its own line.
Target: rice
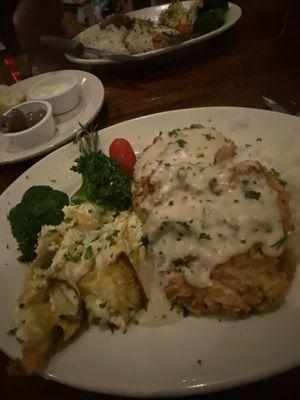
point(109, 39)
point(139, 39)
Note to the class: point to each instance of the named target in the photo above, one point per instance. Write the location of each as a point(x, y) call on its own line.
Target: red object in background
point(122, 152)
point(15, 73)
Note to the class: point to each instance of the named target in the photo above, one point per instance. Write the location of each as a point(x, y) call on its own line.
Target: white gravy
point(196, 218)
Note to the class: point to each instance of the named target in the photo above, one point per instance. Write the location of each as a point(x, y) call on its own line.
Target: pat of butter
point(51, 90)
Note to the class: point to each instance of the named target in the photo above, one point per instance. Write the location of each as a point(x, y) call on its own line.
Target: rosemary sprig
point(87, 139)
point(280, 242)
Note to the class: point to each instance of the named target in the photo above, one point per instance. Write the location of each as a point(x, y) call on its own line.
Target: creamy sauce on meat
point(197, 216)
point(159, 309)
point(195, 145)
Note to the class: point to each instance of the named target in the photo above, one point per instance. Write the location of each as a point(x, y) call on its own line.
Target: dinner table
point(257, 57)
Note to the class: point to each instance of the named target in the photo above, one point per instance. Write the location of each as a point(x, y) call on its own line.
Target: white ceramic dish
point(37, 134)
point(92, 97)
point(162, 361)
point(65, 99)
point(233, 15)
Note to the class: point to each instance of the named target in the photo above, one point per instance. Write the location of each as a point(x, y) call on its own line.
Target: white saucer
point(92, 97)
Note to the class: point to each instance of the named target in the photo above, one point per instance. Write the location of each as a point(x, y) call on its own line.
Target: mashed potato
point(84, 270)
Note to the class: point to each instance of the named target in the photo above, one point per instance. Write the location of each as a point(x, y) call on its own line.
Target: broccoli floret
point(103, 182)
point(40, 205)
point(208, 21)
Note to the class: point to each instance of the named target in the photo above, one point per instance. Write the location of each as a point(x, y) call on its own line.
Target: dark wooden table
point(257, 57)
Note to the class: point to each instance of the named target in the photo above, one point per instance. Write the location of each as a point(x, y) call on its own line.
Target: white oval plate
point(162, 361)
point(67, 125)
point(233, 15)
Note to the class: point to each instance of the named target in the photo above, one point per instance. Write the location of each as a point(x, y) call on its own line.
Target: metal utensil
point(77, 49)
point(274, 106)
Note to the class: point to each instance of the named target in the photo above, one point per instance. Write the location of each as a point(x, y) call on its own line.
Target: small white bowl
point(62, 91)
point(39, 133)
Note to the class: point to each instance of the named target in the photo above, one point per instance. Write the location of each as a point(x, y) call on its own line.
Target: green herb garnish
point(88, 254)
point(181, 143)
point(12, 332)
point(208, 136)
point(200, 155)
point(205, 236)
point(110, 238)
point(280, 242)
point(144, 241)
point(276, 175)
point(252, 194)
point(184, 224)
point(95, 320)
point(174, 132)
point(103, 305)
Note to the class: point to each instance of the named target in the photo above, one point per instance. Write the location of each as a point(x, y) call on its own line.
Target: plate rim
point(188, 389)
point(167, 50)
point(44, 150)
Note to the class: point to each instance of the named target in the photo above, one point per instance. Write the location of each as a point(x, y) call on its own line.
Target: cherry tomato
point(183, 29)
point(122, 152)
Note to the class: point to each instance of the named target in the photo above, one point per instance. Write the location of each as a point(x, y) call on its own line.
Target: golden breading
point(249, 282)
point(246, 283)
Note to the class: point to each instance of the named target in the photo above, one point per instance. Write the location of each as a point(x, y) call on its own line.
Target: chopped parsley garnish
point(95, 320)
point(110, 238)
point(208, 136)
point(12, 332)
point(248, 145)
point(243, 241)
point(252, 194)
point(174, 132)
point(144, 241)
point(259, 139)
point(88, 254)
point(184, 224)
point(245, 182)
point(94, 240)
point(181, 143)
point(280, 242)
point(46, 264)
point(200, 155)
point(276, 175)
point(205, 236)
point(171, 203)
point(103, 305)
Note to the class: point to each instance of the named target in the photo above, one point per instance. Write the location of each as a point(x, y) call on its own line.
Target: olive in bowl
point(29, 124)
